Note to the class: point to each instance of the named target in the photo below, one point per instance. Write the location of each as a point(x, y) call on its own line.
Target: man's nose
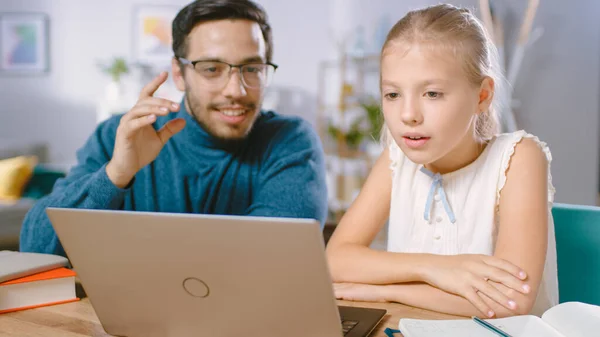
point(235, 85)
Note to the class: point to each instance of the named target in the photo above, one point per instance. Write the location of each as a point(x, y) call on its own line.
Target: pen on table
point(490, 327)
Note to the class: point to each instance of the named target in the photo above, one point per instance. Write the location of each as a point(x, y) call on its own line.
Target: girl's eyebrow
point(422, 83)
point(434, 81)
point(388, 82)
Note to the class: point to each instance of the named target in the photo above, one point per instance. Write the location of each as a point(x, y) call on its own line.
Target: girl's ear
point(486, 94)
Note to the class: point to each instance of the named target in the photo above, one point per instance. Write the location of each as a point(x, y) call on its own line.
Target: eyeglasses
point(216, 74)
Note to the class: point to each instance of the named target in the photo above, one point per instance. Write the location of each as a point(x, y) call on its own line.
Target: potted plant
point(358, 145)
point(365, 127)
point(116, 69)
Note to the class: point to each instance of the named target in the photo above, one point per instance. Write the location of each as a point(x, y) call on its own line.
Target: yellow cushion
point(14, 176)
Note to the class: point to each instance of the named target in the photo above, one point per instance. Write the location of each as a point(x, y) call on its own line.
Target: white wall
point(559, 93)
point(559, 88)
point(60, 107)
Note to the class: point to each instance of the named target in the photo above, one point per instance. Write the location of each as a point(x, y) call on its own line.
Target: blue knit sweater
point(277, 171)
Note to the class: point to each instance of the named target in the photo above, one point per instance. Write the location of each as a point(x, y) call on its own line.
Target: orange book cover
point(38, 306)
point(47, 275)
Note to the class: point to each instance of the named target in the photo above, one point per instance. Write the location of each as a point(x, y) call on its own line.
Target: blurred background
point(69, 64)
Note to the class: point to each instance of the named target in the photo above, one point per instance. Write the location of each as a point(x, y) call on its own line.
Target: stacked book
point(31, 280)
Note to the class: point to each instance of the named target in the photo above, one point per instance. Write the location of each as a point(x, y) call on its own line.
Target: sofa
point(37, 184)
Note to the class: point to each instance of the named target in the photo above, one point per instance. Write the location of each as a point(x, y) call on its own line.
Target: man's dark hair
point(209, 10)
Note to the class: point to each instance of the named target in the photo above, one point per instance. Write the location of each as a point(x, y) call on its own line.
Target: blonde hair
point(461, 33)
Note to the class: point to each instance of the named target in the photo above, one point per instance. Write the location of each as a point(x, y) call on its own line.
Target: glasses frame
point(185, 61)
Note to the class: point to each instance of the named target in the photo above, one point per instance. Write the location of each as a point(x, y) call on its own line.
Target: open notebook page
point(574, 319)
point(520, 326)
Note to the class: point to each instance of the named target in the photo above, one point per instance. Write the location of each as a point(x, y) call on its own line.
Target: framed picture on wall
point(24, 43)
point(152, 34)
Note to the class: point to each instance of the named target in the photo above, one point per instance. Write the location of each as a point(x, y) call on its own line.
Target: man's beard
point(205, 124)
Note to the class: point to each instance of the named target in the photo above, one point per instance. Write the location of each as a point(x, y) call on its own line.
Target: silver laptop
point(165, 274)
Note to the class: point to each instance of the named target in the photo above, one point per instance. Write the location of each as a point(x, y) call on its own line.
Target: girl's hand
point(359, 292)
point(467, 276)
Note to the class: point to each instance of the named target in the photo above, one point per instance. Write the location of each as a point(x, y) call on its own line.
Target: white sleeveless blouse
point(461, 217)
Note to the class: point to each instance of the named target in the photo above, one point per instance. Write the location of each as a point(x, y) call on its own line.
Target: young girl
point(470, 228)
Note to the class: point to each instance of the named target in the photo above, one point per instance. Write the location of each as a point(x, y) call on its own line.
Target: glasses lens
point(216, 74)
point(257, 75)
point(212, 69)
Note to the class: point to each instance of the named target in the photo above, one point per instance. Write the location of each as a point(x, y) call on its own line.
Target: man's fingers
point(170, 129)
point(138, 123)
point(151, 105)
point(172, 106)
point(165, 133)
point(151, 87)
point(143, 110)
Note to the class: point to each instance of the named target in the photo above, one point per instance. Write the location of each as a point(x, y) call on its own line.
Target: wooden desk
point(78, 319)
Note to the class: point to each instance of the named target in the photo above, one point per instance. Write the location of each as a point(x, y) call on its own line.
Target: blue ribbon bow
point(435, 185)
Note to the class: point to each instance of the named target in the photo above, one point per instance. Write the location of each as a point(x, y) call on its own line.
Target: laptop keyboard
point(347, 326)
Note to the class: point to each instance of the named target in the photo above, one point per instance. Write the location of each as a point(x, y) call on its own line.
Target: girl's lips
point(415, 143)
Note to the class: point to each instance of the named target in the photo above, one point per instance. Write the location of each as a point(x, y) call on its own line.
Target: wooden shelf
point(342, 84)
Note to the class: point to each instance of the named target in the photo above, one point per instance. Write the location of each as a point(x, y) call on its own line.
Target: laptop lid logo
point(196, 287)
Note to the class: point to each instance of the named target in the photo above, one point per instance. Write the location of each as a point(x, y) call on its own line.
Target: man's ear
point(486, 94)
point(177, 72)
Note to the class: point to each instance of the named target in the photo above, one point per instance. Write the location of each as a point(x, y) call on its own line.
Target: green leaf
point(375, 117)
point(117, 68)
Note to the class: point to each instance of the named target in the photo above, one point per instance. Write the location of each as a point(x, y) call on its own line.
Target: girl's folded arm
point(422, 295)
point(348, 252)
point(524, 218)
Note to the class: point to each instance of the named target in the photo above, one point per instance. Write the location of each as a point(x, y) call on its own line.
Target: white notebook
point(570, 319)
point(18, 264)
